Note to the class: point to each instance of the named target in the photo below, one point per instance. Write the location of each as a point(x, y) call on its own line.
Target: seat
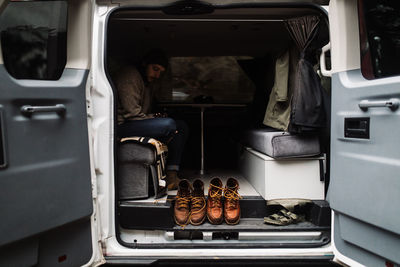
point(138, 172)
point(280, 144)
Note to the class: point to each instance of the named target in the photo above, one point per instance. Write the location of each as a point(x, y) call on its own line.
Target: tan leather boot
point(198, 203)
point(231, 205)
point(182, 203)
point(172, 180)
point(214, 202)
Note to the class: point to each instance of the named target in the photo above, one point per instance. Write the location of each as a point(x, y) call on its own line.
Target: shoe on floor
point(182, 203)
point(215, 212)
point(231, 204)
point(172, 180)
point(198, 203)
point(283, 217)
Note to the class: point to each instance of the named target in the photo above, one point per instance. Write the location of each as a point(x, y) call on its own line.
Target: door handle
point(392, 103)
point(28, 110)
point(324, 71)
point(356, 128)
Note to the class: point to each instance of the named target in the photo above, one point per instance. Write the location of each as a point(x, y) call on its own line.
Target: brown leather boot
point(172, 180)
point(231, 205)
point(198, 203)
point(182, 202)
point(214, 202)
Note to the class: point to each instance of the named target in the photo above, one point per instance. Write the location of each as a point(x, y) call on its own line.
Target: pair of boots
point(191, 207)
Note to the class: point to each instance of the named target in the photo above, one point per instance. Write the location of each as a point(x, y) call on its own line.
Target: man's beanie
point(156, 56)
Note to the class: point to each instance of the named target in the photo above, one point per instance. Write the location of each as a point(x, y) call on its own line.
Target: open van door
point(45, 176)
point(364, 192)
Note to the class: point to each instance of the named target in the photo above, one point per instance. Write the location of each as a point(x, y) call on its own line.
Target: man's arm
point(130, 90)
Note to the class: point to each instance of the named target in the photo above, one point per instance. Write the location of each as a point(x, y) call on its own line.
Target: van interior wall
point(263, 41)
point(255, 45)
point(130, 39)
point(260, 41)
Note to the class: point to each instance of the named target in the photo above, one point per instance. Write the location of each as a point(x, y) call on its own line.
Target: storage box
point(283, 178)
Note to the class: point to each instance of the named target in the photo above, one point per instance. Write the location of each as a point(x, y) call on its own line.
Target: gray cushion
point(133, 181)
point(134, 151)
point(280, 144)
point(136, 165)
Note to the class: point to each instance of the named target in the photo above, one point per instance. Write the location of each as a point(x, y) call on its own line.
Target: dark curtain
point(309, 100)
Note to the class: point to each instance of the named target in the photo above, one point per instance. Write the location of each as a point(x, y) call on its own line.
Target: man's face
point(153, 72)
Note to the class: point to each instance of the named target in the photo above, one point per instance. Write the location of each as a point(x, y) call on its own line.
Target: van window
point(33, 39)
point(216, 79)
point(380, 38)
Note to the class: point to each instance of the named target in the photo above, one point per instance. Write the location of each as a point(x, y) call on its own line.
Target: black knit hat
point(156, 56)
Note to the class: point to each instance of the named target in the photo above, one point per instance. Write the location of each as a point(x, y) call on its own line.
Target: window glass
point(380, 38)
point(205, 79)
point(33, 39)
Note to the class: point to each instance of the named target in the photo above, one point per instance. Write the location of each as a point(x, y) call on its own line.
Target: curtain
point(309, 100)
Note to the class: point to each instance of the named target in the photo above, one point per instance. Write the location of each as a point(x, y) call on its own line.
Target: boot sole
point(233, 223)
point(202, 221)
point(181, 225)
point(217, 222)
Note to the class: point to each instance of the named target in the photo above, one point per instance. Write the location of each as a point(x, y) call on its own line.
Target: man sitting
point(135, 94)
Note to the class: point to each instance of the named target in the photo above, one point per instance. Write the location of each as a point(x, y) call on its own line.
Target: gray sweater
point(134, 98)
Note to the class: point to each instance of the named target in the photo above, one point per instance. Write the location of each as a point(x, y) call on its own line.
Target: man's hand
point(160, 115)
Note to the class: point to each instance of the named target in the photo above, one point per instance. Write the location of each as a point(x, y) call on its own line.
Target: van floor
point(155, 226)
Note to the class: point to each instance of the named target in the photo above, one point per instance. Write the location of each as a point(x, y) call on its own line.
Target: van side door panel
point(365, 182)
point(45, 178)
point(364, 191)
point(46, 183)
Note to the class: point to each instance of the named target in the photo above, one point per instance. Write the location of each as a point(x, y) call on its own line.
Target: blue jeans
point(162, 129)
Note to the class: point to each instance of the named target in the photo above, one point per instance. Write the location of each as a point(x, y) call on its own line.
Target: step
point(250, 232)
point(158, 214)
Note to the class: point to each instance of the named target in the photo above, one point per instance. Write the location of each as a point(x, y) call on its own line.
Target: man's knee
point(169, 125)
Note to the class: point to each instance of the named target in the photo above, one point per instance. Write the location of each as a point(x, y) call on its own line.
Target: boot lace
point(232, 196)
point(198, 204)
point(182, 201)
point(215, 195)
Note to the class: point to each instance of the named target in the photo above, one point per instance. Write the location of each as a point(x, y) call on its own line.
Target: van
point(59, 195)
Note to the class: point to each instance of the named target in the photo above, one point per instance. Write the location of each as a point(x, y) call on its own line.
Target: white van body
point(363, 192)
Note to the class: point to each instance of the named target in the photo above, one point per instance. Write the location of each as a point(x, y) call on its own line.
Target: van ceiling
point(239, 32)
